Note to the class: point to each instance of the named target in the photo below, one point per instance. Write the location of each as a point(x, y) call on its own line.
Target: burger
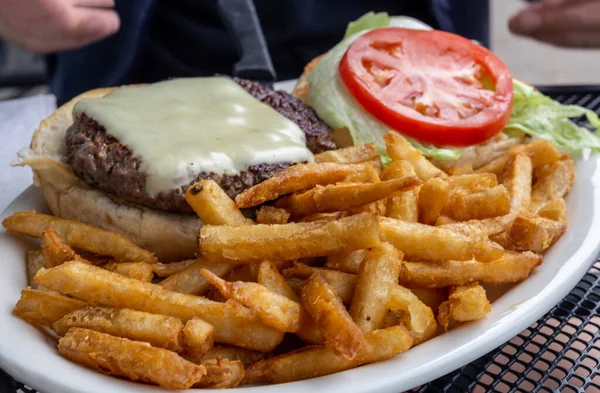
point(122, 158)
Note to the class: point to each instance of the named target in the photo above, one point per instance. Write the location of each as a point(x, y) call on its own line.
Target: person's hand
point(568, 23)
point(54, 25)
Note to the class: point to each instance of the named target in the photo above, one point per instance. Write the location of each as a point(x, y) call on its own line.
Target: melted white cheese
point(182, 127)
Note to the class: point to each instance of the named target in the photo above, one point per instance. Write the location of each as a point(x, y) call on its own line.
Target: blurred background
point(24, 74)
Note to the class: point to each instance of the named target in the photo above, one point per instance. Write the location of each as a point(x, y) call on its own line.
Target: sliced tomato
point(433, 86)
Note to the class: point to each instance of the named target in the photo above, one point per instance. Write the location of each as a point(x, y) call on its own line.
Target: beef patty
point(105, 164)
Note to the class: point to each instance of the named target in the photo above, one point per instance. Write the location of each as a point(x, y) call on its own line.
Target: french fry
point(324, 217)
point(458, 170)
point(431, 297)
point(554, 179)
point(213, 205)
point(158, 330)
point(462, 205)
point(343, 196)
point(289, 241)
point(221, 374)
point(198, 338)
point(542, 152)
point(379, 270)
point(465, 303)
point(431, 200)
point(135, 360)
point(296, 178)
point(555, 209)
point(376, 208)
point(341, 283)
point(535, 233)
point(348, 263)
point(403, 205)
point(368, 173)
point(35, 261)
point(315, 361)
point(78, 235)
point(474, 181)
point(169, 269)
point(512, 267)
point(349, 155)
point(421, 321)
point(245, 356)
point(444, 220)
point(234, 324)
point(399, 148)
point(337, 327)
point(269, 277)
point(139, 270)
point(191, 282)
point(423, 242)
point(518, 178)
point(44, 307)
point(274, 309)
point(55, 250)
point(272, 215)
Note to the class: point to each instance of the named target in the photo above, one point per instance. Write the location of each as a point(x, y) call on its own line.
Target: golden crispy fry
point(423, 242)
point(458, 170)
point(337, 327)
point(198, 338)
point(274, 309)
point(296, 178)
point(474, 181)
point(343, 196)
point(44, 307)
point(542, 153)
point(431, 297)
point(289, 241)
point(444, 220)
point(135, 360)
point(315, 361)
point(402, 205)
point(324, 216)
point(245, 356)
point(169, 269)
point(348, 263)
point(221, 374)
point(78, 235)
point(518, 178)
point(399, 148)
point(190, 281)
point(55, 250)
point(431, 200)
point(485, 227)
point(379, 270)
point(272, 215)
point(246, 273)
point(213, 205)
point(341, 283)
point(555, 179)
point(368, 173)
point(158, 330)
point(139, 270)
point(420, 321)
point(555, 209)
point(535, 233)
point(35, 261)
point(234, 324)
point(349, 155)
point(463, 206)
point(269, 276)
point(376, 208)
point(511, 268)
point(465, 303)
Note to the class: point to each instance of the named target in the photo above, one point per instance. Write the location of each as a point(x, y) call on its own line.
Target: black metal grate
point(560, 352)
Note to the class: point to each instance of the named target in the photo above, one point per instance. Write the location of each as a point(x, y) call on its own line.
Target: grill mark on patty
point(104, 163)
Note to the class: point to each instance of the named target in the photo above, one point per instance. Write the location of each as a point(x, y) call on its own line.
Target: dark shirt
point(180, 38)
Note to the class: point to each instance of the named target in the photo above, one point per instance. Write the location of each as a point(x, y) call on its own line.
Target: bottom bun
point(170, 236)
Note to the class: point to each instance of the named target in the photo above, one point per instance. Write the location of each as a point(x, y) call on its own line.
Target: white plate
point(31, 357)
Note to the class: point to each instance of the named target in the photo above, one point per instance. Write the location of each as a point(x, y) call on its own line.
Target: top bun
point(171, 236)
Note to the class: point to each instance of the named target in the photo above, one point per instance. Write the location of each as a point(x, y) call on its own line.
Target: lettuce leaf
point(329, 97)
point(540, 116)
point(368, 21)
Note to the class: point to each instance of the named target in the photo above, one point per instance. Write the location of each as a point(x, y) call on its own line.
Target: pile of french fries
point(355, 262)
